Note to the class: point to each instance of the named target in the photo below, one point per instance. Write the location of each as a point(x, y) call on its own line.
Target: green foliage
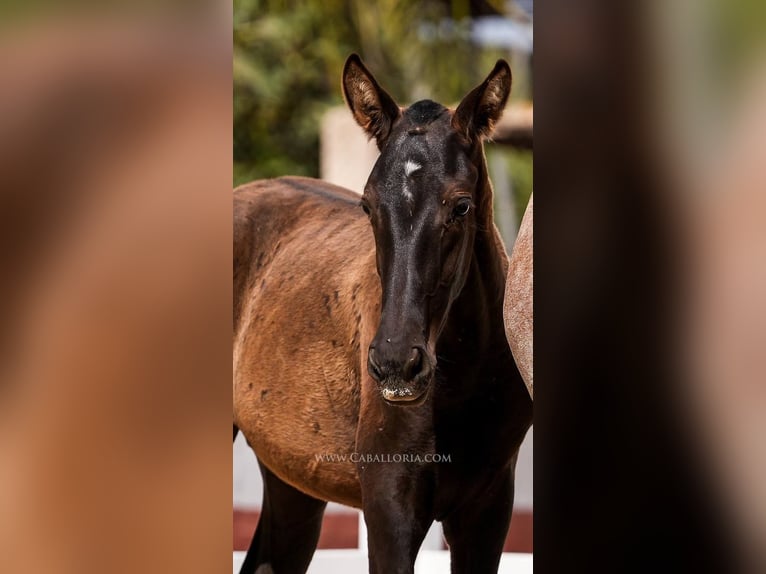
point(289, 55)
point(284, 64)
point(735, 37)
point(520, 167)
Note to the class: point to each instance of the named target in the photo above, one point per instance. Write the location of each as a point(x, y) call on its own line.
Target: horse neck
point(480, 302)
point(489, 251)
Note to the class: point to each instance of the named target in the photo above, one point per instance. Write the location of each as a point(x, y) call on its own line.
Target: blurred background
point(115, 287)
point(289, 55)
point(290, 119)
point(650, 271)
point(115, 293)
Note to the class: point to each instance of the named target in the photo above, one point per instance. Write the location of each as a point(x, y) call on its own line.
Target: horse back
point(267, 212)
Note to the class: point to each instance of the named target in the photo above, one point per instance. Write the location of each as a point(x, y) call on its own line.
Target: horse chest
point(479, 433)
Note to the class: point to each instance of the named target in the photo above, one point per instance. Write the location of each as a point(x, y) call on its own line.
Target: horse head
point(426, 197)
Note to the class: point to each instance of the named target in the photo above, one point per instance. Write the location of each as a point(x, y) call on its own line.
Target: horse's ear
point(477, 114)
point(372, 107)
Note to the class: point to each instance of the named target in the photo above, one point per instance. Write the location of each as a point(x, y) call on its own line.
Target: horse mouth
point(404, 396)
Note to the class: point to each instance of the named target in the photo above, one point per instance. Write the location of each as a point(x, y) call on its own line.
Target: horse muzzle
point(403, 395)
point(403, 379)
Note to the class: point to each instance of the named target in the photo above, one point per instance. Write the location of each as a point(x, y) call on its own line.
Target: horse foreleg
point(397, 512)
point(476, 530)
point(287, 532)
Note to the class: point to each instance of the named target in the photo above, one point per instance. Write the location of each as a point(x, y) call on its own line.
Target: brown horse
point(517, 307)
point(371, 366)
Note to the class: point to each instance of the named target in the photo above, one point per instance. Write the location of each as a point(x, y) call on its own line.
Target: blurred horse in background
point(517, 307)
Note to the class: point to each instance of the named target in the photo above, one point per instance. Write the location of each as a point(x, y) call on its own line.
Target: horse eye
point(462, 208)
point(365, 207)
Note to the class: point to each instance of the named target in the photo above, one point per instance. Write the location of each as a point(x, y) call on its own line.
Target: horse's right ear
point(372, 107)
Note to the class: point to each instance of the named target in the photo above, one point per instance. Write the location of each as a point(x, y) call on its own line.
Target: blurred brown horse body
point(365, 347)
point(517, 307)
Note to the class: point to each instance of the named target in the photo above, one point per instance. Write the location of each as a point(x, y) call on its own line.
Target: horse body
point(517, 307)
point(381, 335)
point(310, 277)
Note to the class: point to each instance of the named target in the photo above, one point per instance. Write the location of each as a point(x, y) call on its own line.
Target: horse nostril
point(372, 367)
point(414, 364)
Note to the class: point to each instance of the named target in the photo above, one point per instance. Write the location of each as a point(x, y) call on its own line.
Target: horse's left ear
point(477, 114)
point(371, 105)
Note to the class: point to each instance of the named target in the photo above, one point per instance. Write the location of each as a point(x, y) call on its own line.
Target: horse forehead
point(411, 153)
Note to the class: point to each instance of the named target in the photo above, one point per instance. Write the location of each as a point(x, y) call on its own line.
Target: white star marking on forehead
point(406, 192)
point(411, 167)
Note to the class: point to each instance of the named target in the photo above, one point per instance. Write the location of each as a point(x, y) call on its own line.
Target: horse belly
point(299, 423)
point(296, 386)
